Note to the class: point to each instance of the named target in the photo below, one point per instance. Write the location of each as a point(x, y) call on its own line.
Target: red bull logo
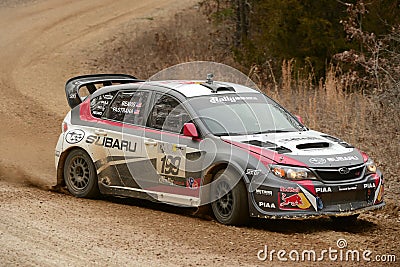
point(293, 201)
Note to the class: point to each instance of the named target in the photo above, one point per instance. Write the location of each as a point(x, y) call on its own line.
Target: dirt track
point(42, 44)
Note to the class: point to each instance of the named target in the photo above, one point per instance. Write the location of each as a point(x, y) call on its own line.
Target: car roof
point(200, 88)
point(187, 88)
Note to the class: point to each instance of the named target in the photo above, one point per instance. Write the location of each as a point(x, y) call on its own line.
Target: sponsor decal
point(293, 201)
point(348, 188)
point(263, 192)
point(192, 183)
point(323, 189)
point(172, 180)
point(317, 160)
point(347, 158)
point(174, 148)
point(332, 159)
point(165, 180)
point(253, 172)
point(289, 189)
point(74, 136)
point(131, 104)
point(262, 204)
point(298, 139)
point(369, 185)
point(109, 142)
point(124, 110)
point(108, 97)
point(308, 190)
point(97, 113)
point(102, 108)
point(231, 99)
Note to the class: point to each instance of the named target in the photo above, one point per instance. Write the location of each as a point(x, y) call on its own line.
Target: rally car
point(207, 143)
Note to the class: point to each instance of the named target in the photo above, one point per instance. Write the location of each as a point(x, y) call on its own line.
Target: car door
point(177, 159)
point(124, 140)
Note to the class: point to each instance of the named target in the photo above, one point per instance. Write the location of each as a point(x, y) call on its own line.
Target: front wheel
point(231, 204)
point(80, 175)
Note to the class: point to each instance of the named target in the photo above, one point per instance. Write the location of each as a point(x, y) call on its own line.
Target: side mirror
point(299, 119)
point(189, 129)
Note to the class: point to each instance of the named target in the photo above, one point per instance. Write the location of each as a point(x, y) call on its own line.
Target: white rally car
point(198, 143)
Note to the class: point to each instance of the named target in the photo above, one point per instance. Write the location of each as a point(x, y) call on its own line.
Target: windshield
point(240, 114)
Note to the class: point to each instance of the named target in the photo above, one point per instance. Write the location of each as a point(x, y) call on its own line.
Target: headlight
point(291, 173)
point(371, 167)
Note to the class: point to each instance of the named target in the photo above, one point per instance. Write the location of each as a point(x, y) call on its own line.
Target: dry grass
point(324, 105)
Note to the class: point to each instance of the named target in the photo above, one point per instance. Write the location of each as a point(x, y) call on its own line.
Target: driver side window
point(168, 114)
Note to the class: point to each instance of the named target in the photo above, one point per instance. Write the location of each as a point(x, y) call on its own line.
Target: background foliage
point(312, 34)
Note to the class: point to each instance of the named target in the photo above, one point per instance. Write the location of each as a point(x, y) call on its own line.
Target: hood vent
point(268, 145)
point(313, 145)
point(337, 140)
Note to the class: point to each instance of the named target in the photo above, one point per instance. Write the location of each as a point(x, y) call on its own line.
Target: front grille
point(343, 197)
point(334, 174)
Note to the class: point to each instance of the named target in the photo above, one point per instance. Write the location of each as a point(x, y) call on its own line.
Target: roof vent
point(215, 88)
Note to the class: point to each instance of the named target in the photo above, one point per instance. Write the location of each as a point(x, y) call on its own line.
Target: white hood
point(311, 147)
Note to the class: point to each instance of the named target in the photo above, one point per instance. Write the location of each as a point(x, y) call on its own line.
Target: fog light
point(371, 168)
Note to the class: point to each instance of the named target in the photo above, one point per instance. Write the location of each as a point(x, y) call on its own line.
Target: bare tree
point(378, 56)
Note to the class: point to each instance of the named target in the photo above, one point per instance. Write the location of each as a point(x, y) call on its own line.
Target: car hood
point(312, 148)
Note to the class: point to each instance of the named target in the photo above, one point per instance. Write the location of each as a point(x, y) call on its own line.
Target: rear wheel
point(80, 175)
point(231, 204)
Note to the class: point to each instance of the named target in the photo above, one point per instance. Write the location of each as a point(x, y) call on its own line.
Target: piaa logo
point(74, 136)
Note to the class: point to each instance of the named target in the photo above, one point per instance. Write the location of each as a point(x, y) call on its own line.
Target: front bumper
point(308, 215)
point(311, 198)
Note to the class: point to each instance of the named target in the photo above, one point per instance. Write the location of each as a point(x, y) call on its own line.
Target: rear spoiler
point(73, 85)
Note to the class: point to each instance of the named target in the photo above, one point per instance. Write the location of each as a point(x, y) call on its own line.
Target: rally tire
point(231, 204)
point(80, 175)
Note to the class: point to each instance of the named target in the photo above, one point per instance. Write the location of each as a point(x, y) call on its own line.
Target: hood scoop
point(268, 145)
point(313, 145)
point(337, 140)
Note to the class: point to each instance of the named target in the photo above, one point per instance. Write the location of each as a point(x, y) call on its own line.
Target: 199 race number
point(171, 159)
point(170, 164)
